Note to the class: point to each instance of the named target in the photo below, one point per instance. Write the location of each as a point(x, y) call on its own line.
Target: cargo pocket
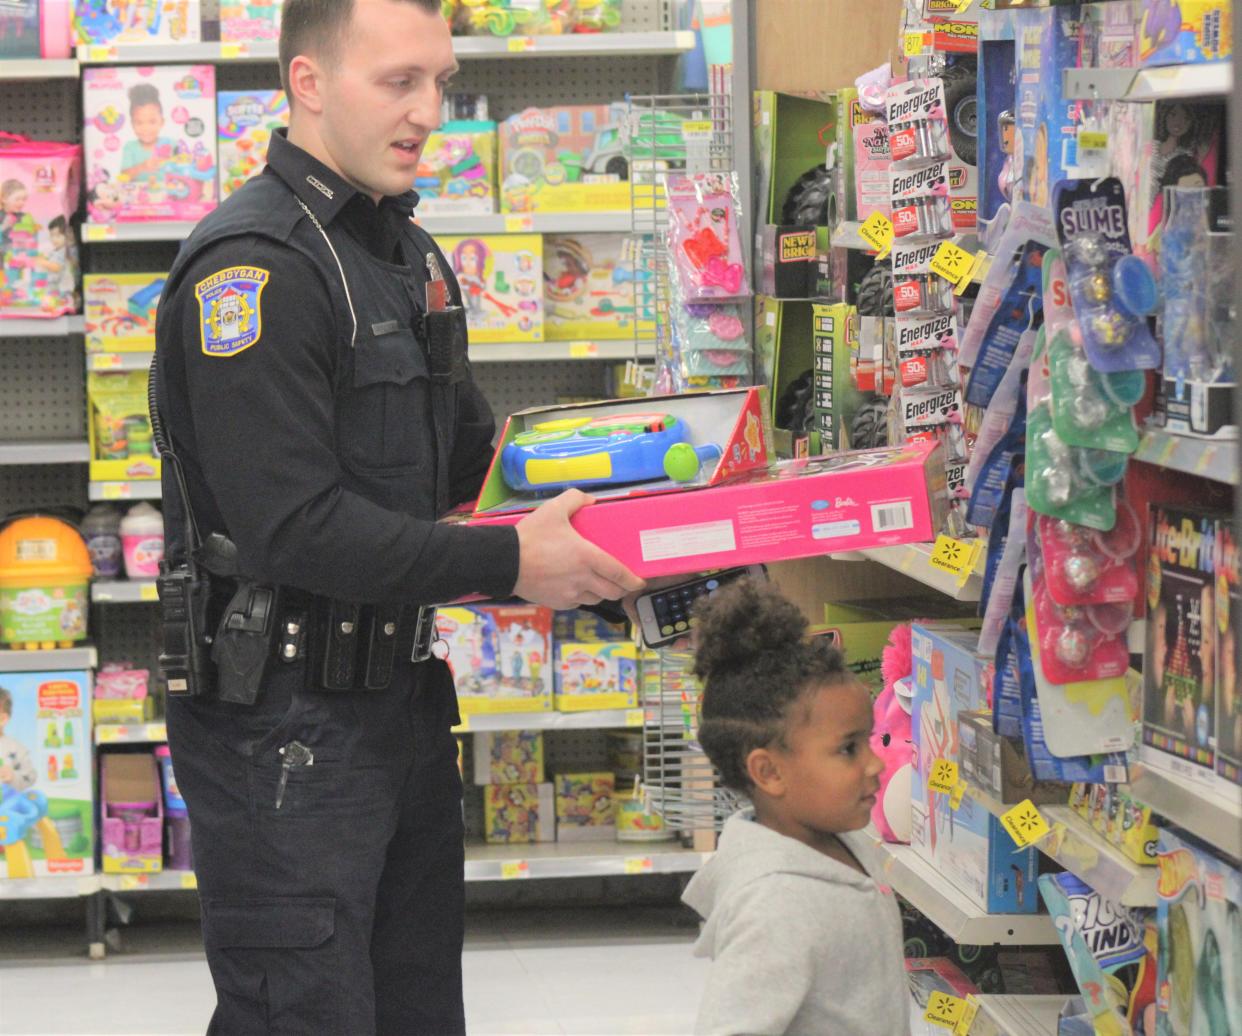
point(382, 413)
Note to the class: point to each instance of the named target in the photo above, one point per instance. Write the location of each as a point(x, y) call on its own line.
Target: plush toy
point(893, 741)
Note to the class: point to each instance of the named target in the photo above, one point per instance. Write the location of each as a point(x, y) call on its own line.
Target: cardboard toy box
point(997, 765)
point(501, 279)
point(788, 261)
point(508, 757)
point(46, 804)
point(119, 427)
point(835, 341)
point(588, 287)
point(967, 845)
point(564, 159)
point(1185, 32)
point(519, 813)
point(131, 814)
point(792, 133)
point(457, 173)
point(249, 21)
point(585, 807)
point(861, 169)
point(1228, 607)
point(120, 311)
point(501, 656)
point(1199, 983)
point(121, 22)
point(246, 120)
point(593, 676)
point(150, 143)
point(584, 626)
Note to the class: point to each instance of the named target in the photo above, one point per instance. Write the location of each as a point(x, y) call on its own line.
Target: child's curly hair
point(755, 662)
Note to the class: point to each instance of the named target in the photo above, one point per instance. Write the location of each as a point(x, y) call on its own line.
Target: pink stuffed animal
point(892, 740)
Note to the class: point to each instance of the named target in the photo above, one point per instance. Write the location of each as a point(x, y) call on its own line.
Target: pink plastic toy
point(704, 241)
point(1084, 566)
point(892, 739)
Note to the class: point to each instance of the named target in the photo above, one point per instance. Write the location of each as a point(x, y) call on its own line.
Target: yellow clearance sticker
point(229, 309)
point(877, 231)
point(944, 1010)
point(943, 776)
point(1025, 823)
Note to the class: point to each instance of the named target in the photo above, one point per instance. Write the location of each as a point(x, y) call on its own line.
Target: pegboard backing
point(130, 257)
point(27, 486)
point(127, 633)
point(510, 387)
point(42, 389)
point(43, 110)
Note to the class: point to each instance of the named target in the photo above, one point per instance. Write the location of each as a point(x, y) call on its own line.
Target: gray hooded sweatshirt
point(800, 943)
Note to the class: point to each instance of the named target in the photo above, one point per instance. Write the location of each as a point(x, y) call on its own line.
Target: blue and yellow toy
point(20, 813)
point(578, 452)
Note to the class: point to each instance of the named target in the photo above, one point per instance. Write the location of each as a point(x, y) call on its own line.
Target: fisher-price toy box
point(596, 676)
point(120, 311)
point(1185, 32)
point(967, 845)
point(519, 813)
point(46, 800)
point(564, 159)
point(245, 122)
point(737, 510)
point(588, 286)
point(585, 807)
point(457, 173)
point(124, 22)
point(501, 656)
point(501, 281)
point(246, 22)
point(150, 142)
point(508, 757)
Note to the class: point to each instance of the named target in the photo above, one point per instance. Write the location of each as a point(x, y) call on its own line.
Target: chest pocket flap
point(396, 358)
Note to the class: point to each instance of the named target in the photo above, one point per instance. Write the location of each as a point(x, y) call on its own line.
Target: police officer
point(312, 379)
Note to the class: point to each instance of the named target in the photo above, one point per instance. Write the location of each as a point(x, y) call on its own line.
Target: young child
point(143, 158)
point(801, 938)
point(16, 769)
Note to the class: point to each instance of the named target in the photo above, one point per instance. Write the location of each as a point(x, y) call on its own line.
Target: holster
point(242, 650)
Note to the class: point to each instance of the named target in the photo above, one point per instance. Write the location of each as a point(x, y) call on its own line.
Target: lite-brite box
point(1228, 693)
point(967, 845)
point(457, 173)
point(584, 807)
point(519, 813)
point(120, 311)
point(120, 22)
point(46, 802)
point(245, 122)
point(1185, 32)
point(596, 676)
point(1199, 983)
point(508, 757)
point(119, 427)
point(564, 159)
point(1179, 687)
point(150, 142)
point(501, 279)
point(131, 822)
point(501, 656)
point(588, 286)
point(244, 22)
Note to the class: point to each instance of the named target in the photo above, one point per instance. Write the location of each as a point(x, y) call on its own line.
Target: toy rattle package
point(709, 344)
point(457, 174)
point(588, 286)
point(150, 142)
point(120, 311)
point(704, 242)
point(136, 21)
point(501, 279)
point(243, 22)
point(584, 807)
point(39, 185)
point(247, 120)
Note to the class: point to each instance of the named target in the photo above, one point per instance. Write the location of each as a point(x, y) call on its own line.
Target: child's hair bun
point(740, 623)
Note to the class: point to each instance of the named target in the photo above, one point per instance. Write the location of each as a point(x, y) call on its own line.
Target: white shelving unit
point(161, 881)
point(124, 591)
point(536, 352)
point(603, 719)
point(1216, 459)
point(579, 860)
point(31, 327)
point(48, 661)
point(38, 68)
point(1149, 84)
point(154, 733)
point(1206, 812)
point(68, 886)
point(44, 452)
point(914, 560)
point(1017, 1015)
point(119, 361)
point(139, 489)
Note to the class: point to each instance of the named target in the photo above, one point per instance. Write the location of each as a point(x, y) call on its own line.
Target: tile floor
point(582, 971)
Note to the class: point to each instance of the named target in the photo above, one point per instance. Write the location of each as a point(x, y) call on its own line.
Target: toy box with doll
point(584, 807)
point(150, 142)
point(120, 311)
point(46, 801)
point(457, 173)
point(508, 757)
point(564, 159)
point(1228, 693)
point(119, 427)
point(589, 285)
point(1185, 32)
point(501, 656)
point(122, 22)
point(501, 280)
point(245, 122)
point(131, 818)
point(249, 21)
point(596, 676)
point(1199, 985)
point(516, 814)
point(969, 846)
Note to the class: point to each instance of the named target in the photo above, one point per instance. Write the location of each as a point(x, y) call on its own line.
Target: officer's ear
point(306, 83)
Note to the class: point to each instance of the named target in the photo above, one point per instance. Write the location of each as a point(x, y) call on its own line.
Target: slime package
point(246, 121)
point(457, 174)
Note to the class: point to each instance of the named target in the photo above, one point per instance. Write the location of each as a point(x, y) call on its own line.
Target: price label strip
point(943, 776)
point(521, 44)
point(971, 1008)
point(944, 1010)
point(1025, 824)
point(877, 231)
point(957, 265)
point(639, 865)
point(514, 869)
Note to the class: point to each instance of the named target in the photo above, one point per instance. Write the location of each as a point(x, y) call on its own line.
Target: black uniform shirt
point(258, 432)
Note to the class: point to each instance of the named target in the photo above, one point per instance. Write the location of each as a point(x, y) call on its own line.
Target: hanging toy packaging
point(704, 241)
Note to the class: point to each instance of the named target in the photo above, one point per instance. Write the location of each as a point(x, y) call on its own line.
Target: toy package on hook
point(704, 241)
point(709, 338)
point(920, 201)
point(918, 129)
point(1021, 308)
point(1086, 566)
point(1112, 290)
point(916, 290)
point(935, 415)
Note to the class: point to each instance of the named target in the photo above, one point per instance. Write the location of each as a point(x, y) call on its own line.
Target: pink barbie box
point(150, 142)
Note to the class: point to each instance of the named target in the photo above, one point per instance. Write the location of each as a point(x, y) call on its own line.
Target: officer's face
point(383, 98)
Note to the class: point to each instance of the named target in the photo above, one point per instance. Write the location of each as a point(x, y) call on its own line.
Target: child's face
point(148, 120)
point(16, 202)
point(832, 775)
point(58, 237)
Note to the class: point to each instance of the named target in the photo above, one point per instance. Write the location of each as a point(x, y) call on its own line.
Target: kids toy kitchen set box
point(686, 483)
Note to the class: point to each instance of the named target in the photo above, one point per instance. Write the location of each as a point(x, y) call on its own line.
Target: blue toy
point(578, 452)
point(20, 812)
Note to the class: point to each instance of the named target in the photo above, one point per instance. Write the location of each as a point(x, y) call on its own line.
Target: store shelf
point(1007, 1015)
point(941, 903)
point(1208, 812)
point(95, 232)
point(914, 560)
point(161, 881)
point(139, 489)
point(131, 733)
point(607, 719)
point(1082, 851)
point(578, 860)
point(119, 361)
point(1148, 84)
point(1216, 459)
point(124, 591)
point(529, 223)
point(535, 352)
point(44, 452)
point(38, 68)
point(48, 661)
point(30, 327)
point(176, 53)
point(68, 886)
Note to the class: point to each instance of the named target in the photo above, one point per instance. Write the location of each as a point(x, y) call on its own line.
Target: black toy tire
point(875, 292)
point(962, 110)
point(808, 202)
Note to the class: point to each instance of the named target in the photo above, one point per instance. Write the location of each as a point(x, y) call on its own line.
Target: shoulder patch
point(230, 317)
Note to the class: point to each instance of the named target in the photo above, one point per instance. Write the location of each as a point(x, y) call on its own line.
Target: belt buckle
point(424, 635)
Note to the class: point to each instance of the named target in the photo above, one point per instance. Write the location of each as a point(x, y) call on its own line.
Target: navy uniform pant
point(340, 913)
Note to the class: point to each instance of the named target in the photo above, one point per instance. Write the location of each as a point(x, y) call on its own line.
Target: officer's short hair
point(317, 25)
